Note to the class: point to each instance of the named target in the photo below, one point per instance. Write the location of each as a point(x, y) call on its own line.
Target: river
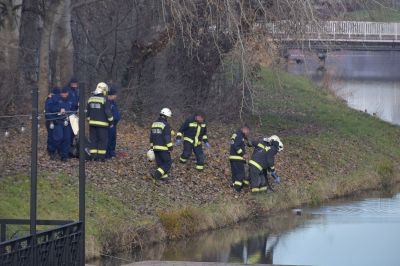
point(368, 81)
point(363, 230)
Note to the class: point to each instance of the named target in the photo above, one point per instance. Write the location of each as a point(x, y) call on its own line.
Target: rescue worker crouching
point(161, 144)
point(263, 161)
point(193, 131)
point(237, 157)
point(100, 118)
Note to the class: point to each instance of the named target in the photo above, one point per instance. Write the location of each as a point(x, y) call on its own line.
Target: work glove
point(208, 145)
point(178, 141)
point(276, 177)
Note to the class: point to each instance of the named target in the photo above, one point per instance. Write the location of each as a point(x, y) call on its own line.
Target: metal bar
point(3, 228)
point(34, 154)
point(38, 222)
point(82, 174)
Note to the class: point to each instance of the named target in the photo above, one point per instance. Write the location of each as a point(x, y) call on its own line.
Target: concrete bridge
point(331, 35)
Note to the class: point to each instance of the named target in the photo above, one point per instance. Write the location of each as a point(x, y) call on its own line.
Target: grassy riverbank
point(330, 151)
point(376, 15)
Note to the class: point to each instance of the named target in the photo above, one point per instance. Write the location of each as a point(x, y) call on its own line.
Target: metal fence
point(56, 247)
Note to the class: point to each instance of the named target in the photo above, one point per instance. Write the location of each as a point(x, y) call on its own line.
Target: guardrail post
point(3, 236)
point(34, 153)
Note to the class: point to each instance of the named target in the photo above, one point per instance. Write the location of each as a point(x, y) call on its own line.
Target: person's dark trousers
point(257, 179)
point(65, 145)
point(51, 144)
point(112, 142)
point(198, 152)
point(238, 173)
point(98, 142)
point(164, 162)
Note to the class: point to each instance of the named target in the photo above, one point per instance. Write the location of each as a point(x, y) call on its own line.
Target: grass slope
point(377, 15)
point(330, 151)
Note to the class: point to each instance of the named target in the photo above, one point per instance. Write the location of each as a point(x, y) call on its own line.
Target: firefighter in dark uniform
point(239, 140)
point(100, 118)
point(161, 144)
point(263, 161)
point(193, 132)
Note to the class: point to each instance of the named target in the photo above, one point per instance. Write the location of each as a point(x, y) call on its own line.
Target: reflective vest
point(193, 132)
point(237, 149)
point(264, 159)
point(160, 135)
point(99, 111)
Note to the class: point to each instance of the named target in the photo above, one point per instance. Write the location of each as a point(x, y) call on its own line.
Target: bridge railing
point(334, 30)
point(56, 247)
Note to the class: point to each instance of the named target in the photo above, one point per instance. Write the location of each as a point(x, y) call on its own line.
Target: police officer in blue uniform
point(62, 131)
point(74, 93)
point(112, 131)
point(193, 132)
point(51, 109)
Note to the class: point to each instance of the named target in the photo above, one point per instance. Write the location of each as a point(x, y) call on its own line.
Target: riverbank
point(330, 151)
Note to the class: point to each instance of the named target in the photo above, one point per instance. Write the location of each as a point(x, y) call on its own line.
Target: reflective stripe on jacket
point(238, 147)
point(160, 135)
point(193, 132)
point(264, 159)
point(99, 111)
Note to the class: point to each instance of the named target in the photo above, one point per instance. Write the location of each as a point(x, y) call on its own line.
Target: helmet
point(166, 112)
point(275, 138)
point(150, 155)
point(101, 88)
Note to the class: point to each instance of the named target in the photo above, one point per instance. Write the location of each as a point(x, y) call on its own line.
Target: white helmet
point(150, 155)
point(277, 139)
point(166, 111)
point(102, 88)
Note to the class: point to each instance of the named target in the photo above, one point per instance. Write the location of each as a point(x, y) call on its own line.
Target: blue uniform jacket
point(61, 103)
point(115, 112)
point(51, 107)
point(74, 96)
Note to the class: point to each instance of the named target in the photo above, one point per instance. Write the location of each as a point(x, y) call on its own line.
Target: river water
point(368, 81)
point(357, 231)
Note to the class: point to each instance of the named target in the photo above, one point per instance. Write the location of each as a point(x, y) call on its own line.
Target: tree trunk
point(29, 42)
point(44, 58)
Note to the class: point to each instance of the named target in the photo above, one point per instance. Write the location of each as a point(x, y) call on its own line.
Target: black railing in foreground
point(55, 247)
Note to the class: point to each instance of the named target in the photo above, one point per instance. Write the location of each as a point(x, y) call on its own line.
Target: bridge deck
point(186, 263)
point(336, 31)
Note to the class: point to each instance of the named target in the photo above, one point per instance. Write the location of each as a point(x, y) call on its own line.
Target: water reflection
point(362, 232)
point(368, 81)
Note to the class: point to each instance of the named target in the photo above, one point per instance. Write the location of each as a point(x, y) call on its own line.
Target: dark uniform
point(112, 131)
point(236, 153)
point(73, 94)
point(62, 130)
point(51, 109)
point(193, 134)
point(262, 161)
point(99, 116)
point(160, 142)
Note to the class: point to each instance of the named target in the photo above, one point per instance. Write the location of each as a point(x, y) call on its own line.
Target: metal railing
point(55, 247)
point(336, 31)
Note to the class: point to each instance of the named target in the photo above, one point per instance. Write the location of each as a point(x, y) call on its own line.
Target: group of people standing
point(103, 116)
point(62, 105)
point(193, 133)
